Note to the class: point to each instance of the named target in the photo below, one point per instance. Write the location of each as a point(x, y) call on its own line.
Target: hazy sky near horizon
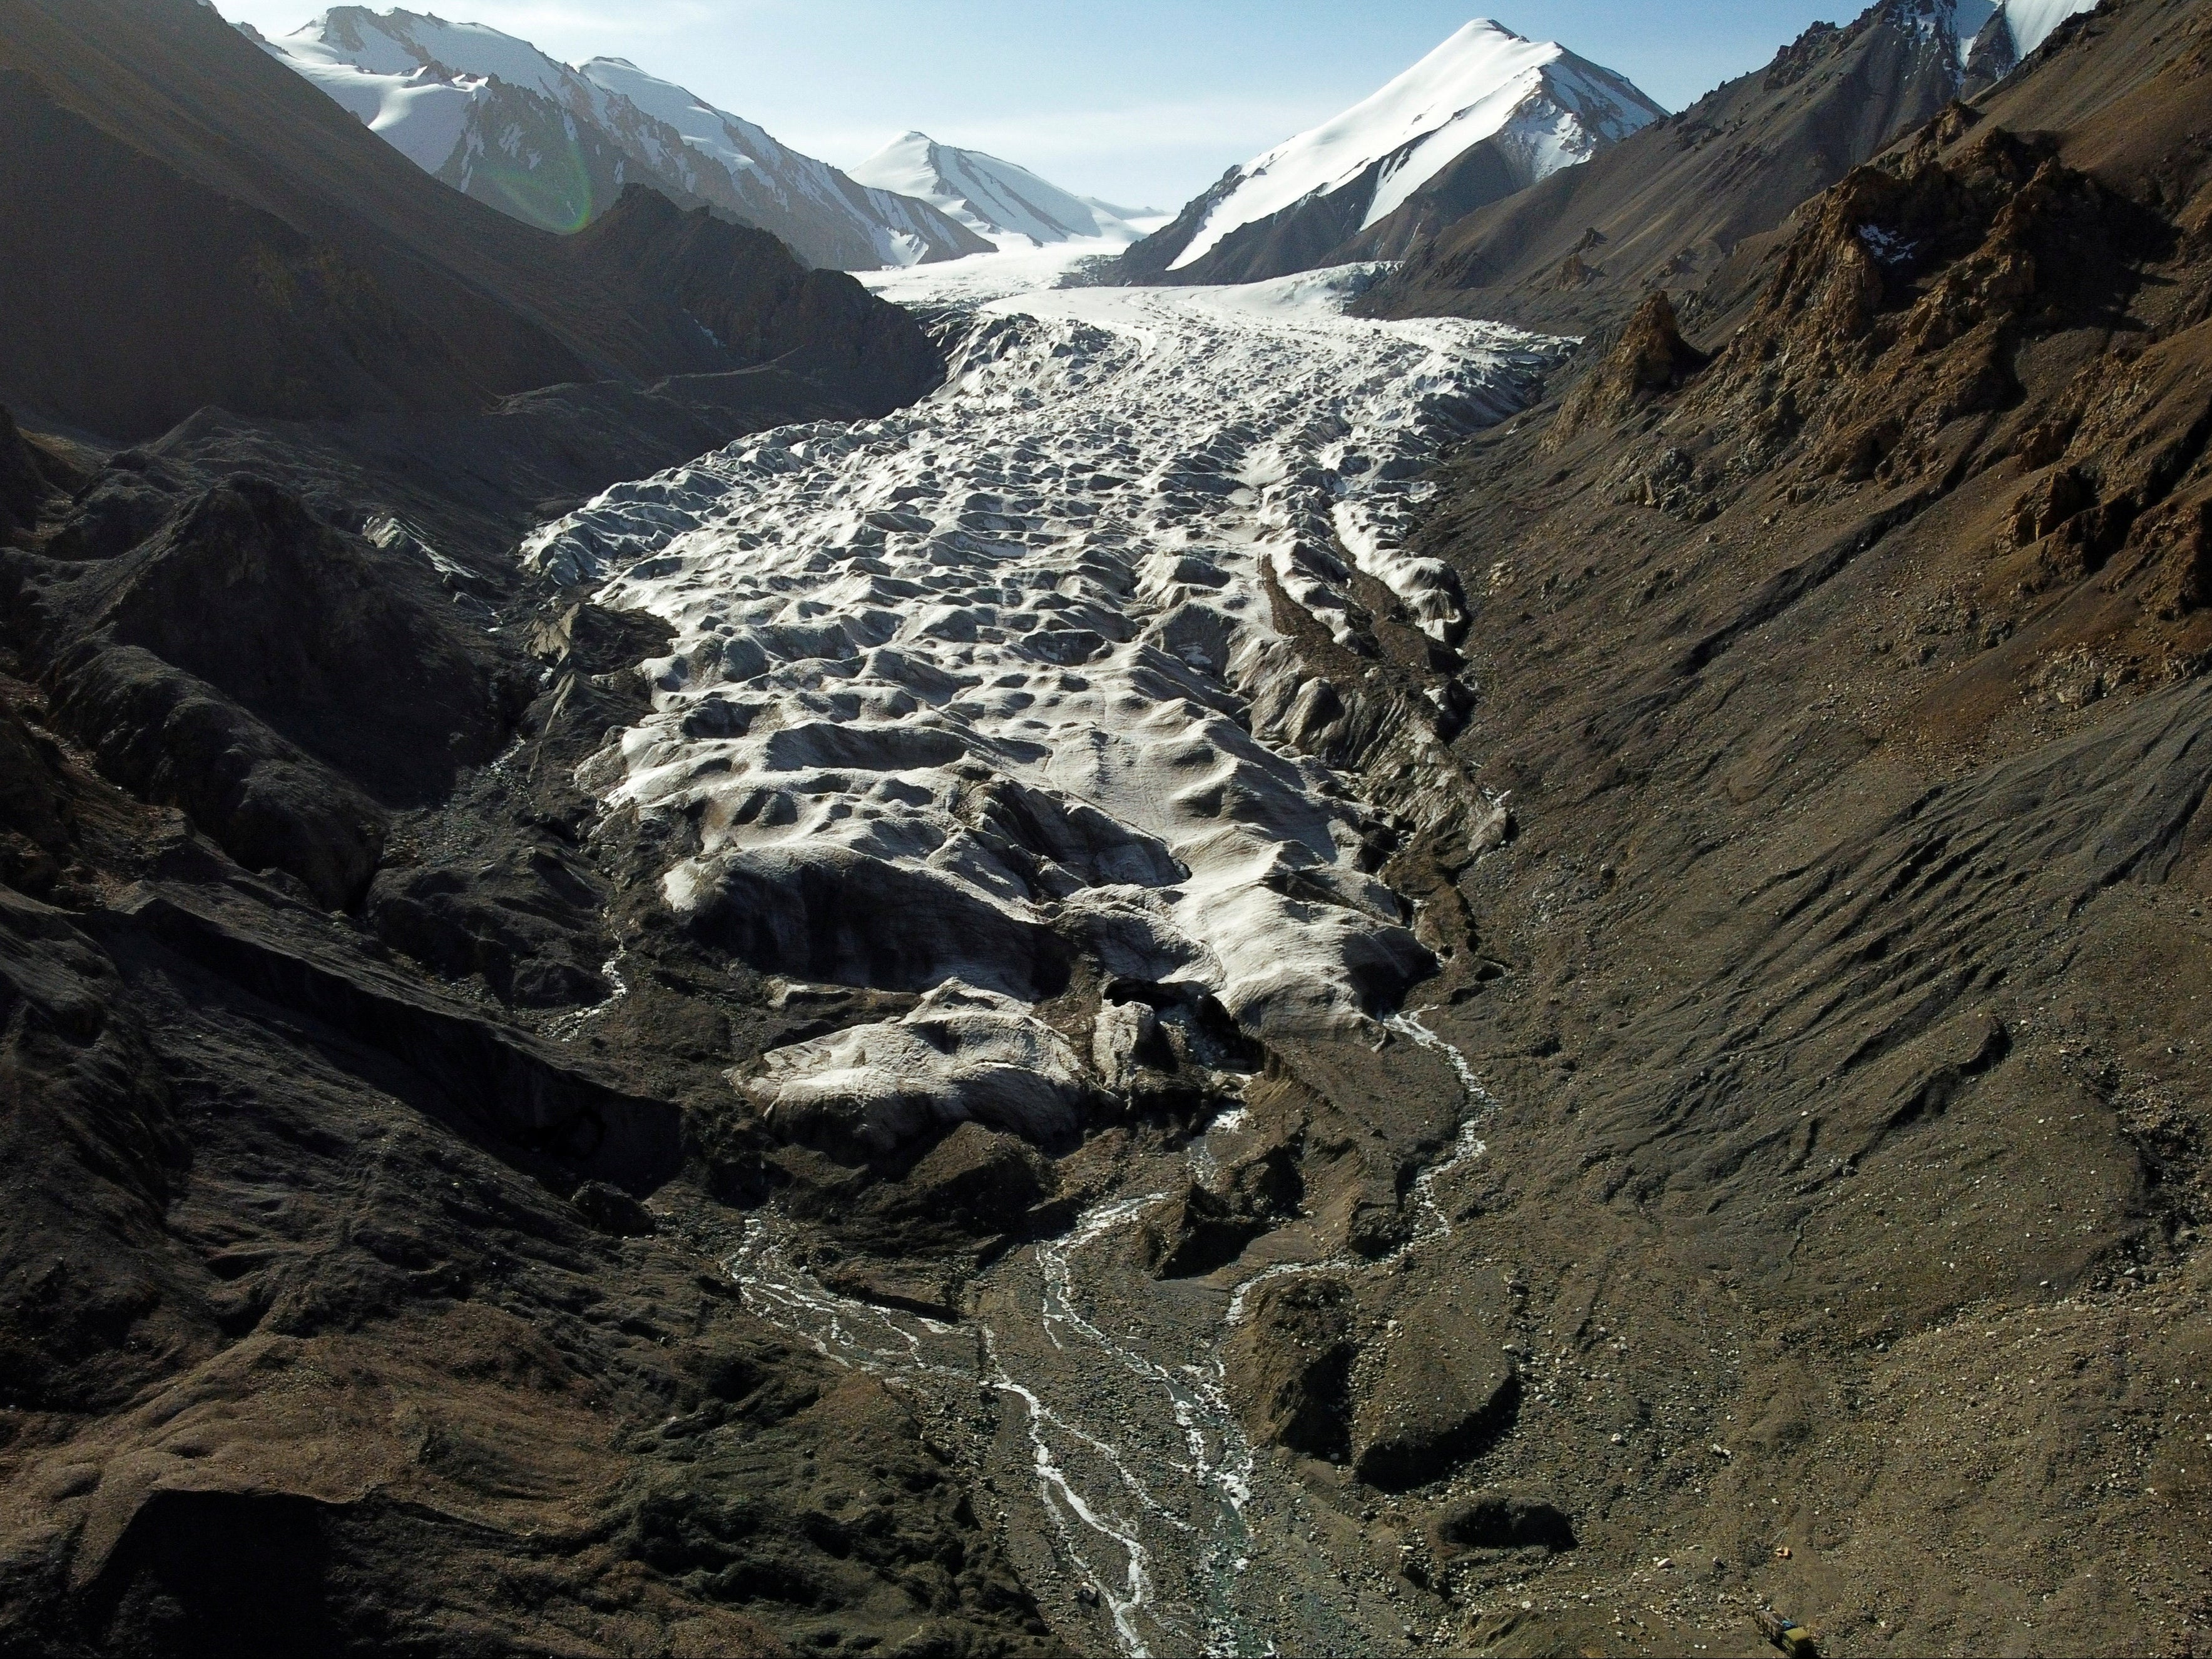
point(1144, 102)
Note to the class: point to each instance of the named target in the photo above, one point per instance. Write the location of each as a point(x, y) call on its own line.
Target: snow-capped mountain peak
point(1538, 105)
point(499, 119)
point(1480, 82)
point(998, 200)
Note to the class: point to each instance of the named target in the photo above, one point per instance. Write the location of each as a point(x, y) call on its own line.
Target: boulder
point(1195, 1233)
point(1504, 1520)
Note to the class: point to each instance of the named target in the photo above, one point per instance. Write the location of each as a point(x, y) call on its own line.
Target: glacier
point(1007, 688)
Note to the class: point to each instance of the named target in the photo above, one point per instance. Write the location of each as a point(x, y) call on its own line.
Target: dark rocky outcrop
point(171, 737)
point(287, 686)
point(1851, 694)
point(1194, 1234)
point(356, 657)
point(1503, 1520)
point(759, 304)
point(24, 486)
point(1289, 1365)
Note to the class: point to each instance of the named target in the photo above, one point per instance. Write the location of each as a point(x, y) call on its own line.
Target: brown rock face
point(1649, 359)
point(1290, 1365)
point(1852, 696)
point(1195, 1233)
point(1438, 1386)
point(287, 685)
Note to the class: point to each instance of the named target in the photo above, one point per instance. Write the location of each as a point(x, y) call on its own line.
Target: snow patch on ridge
point(2024, 24)
point(425, 86)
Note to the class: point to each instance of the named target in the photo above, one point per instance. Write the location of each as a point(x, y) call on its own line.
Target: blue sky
point(1144, 102)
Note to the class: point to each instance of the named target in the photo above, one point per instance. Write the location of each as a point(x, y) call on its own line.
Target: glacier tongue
point(1003, 689)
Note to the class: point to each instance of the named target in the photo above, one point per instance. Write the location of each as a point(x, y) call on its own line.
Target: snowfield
point(2025, 24)
point(1549, 108)
point(1006, 205)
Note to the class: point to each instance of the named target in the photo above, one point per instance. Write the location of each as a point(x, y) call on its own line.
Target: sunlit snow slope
point(1536, 104)
point(1006, 203)
point(499, 119)
point(1003, 686)
point(1994, 38)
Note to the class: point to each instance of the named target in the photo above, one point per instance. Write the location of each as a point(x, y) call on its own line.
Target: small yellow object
point(1798, 1641)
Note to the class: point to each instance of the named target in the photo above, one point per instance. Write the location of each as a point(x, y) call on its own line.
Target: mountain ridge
point(553, 145)
point(242, 241)
point(995, 198)
point(1254, 981)
point(1675, 201)
point(1495, 110)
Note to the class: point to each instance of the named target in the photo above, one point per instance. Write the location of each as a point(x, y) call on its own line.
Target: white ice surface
point(400, 42)
point(963, 1054)
point(1483, 82)
point(2027, 23)
point(982, 277)
point(421, 113)
point(736, 144)
point(1046, 589)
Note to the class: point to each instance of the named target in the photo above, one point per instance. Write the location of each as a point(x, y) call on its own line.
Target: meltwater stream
point(1113, 1385)
point(1008, 681)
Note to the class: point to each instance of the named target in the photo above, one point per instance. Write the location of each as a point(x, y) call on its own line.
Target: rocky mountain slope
point(1113, 1013)
point(311, 1247)
point(198, 226)
point(994, 198)
point(1485, 114)
point(2013, 29)
point(1846, 674)
point(1676, 203)
point(554, 147)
